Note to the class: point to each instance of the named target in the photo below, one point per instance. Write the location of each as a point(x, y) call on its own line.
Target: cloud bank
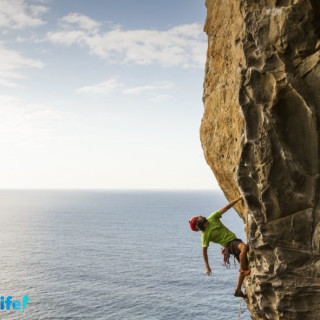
point(183, 45)
point(103, 88)
point(11, 64)
point(19, 14)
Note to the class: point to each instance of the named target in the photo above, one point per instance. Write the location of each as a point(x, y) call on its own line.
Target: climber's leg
point(243, 258)
point(238, 292)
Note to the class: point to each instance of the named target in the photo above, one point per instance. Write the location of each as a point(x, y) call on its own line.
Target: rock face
point(260, 135)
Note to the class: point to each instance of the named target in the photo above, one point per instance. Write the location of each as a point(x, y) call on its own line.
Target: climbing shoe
point(245, 272)
point(240, 294)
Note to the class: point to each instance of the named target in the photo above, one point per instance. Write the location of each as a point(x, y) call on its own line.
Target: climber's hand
point(208, 271)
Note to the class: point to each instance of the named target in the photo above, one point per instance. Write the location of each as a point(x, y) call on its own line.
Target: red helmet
point(193, 224)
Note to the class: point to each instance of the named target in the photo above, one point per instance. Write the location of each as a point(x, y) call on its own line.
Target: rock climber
point(214, 231)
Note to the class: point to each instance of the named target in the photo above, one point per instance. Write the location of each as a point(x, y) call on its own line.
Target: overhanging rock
point(260, 136)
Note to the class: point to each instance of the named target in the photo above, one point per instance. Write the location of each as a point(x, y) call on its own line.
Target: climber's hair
point(201, 222)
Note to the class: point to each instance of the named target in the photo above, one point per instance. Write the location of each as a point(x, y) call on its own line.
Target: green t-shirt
point(216, 231)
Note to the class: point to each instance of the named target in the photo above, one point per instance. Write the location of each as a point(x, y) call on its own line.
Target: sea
point(113, 255)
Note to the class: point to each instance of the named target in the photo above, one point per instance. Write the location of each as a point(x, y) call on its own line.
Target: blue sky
point(102, 94)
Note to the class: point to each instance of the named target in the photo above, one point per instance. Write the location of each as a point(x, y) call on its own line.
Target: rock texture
point(260, 135)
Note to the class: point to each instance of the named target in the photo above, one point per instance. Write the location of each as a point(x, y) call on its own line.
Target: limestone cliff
point(260, 135)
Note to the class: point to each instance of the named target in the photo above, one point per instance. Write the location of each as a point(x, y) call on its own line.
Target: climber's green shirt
point(216, 231)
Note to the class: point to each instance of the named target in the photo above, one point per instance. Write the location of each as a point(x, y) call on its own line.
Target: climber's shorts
point(233, 248)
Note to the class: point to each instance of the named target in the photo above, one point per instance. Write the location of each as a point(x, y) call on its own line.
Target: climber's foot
point(239, 293)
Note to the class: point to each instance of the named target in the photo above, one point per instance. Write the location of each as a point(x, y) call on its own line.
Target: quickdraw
point(226, 256)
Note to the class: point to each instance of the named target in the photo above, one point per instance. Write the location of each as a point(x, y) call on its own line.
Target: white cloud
point(38, 10)
point(19, 14)
point(146, 88)
point(103, 88)
point(109, 86)
point(42, 1)
point(160, 98)
point(81, 21)
point(8, 84)
point(183, 45)
point(11, 64)
point(139, 90)
point(68, 37)
point(25, 123)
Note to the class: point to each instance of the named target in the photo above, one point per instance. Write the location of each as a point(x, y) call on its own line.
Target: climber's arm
point(206, 261)
point(230, 205)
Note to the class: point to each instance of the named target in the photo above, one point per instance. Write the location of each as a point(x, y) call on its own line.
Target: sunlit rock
point(260, 136)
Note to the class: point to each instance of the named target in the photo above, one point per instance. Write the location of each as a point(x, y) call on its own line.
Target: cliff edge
point(260, 135)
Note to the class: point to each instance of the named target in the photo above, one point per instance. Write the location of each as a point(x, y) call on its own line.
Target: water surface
point(113, 255)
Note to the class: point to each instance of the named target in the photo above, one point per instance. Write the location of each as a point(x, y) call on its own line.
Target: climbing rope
point(240, 307)
point(240, 311)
